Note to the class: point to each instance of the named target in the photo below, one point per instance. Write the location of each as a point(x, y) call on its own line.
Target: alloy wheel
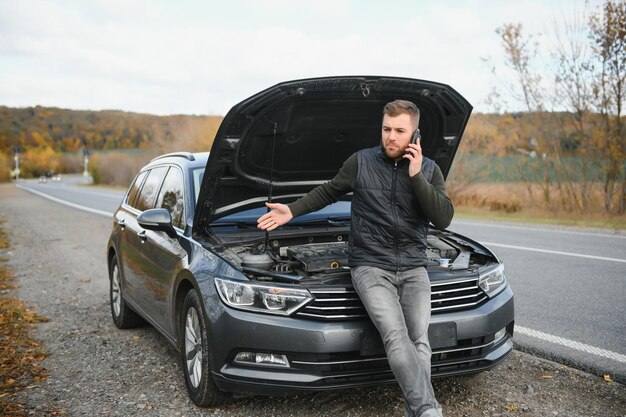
point(193, 347)
point(116, 296)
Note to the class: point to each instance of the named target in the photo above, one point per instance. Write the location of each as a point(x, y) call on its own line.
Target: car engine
point(290, 260)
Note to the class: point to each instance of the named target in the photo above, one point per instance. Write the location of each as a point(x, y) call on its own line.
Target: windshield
point(340, 209)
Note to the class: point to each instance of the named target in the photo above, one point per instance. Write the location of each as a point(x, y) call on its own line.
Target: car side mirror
point(157, 219)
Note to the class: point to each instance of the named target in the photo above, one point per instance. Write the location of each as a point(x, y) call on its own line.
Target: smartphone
point(416, 137)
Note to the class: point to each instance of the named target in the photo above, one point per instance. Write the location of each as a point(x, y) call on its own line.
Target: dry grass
point(526, 202)
point(20, 355)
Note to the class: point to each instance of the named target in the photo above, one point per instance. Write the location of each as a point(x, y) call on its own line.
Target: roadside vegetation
point(574, 101)
point(21, 356)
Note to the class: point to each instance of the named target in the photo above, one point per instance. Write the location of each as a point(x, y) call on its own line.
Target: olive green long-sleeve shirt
point(432, 196)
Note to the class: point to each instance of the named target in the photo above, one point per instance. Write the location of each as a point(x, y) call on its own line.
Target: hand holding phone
point(415, 156)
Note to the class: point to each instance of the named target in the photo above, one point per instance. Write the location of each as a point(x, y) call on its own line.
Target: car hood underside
point(295, 135)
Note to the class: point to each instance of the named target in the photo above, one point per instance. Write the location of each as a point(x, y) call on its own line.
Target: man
point(397, 192)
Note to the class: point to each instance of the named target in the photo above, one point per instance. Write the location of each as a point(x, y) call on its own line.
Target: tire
point(123, 316)
point(196, 355)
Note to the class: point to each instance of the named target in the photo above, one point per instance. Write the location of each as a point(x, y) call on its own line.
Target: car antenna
point(271, 182)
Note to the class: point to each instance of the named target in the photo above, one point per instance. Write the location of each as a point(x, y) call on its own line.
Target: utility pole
point(86, 162)
point(16, 151)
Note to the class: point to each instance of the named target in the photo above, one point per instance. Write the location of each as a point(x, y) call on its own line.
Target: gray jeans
point(399, 305)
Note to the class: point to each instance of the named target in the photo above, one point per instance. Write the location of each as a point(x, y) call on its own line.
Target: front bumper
point(331, 355)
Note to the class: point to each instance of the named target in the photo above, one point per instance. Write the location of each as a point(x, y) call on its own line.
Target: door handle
point(142, 236)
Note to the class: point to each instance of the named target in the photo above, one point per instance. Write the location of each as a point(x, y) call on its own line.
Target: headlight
point(493, 281)
point(261, 298)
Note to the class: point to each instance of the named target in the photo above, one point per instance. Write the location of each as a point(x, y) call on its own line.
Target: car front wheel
point(195, 355)
point(123, 316)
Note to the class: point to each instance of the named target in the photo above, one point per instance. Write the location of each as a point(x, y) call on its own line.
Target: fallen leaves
point(20, 355)
point(511, 407)
point(608, 378)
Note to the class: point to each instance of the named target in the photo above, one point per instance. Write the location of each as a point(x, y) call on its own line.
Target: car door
point(136, 263)
point(126, 225)
point(165, 256)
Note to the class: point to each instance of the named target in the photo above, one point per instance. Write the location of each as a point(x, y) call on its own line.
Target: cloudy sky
point(203, 56)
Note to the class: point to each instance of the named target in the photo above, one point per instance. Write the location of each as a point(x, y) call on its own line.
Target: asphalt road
point(569, 283)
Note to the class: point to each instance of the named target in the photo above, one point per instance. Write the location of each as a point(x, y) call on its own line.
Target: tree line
point(52, 139)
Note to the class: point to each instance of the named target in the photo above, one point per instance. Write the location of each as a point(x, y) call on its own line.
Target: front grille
point(334, 304)
point(351, 367)
point(337, 303)
point(454, 296)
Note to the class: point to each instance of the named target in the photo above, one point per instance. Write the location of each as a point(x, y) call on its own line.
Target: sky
point(203, 57)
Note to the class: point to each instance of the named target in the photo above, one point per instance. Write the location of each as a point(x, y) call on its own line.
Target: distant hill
point(64, 130)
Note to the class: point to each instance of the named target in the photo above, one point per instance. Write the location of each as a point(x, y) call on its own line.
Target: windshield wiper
point(333, 221)
point(240, 225)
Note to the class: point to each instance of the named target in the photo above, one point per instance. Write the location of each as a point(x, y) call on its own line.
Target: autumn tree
point(608, 36)
point(534, 138)
point(587, 79)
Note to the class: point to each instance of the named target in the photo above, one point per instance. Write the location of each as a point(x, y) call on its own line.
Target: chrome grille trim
point(454, 290)
point(342, 291)
point(332, 300)
point(343, 303)
point(435, 284)
point(459, 306)
point(336, 307)
point(337, 316)
point(461, 297)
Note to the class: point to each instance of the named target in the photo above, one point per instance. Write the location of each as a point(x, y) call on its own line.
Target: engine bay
point(296, 258)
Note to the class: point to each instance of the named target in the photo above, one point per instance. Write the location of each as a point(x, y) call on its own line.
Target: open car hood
point(300, 132)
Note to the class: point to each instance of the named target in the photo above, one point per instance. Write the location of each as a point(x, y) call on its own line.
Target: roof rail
point(187, 155)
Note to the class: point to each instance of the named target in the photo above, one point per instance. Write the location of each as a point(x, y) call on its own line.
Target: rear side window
point(135, 188)
point(150, 188)
point(171, 196)
point(197, 181)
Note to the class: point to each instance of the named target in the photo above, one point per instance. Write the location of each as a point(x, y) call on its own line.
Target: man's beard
point(395, 154)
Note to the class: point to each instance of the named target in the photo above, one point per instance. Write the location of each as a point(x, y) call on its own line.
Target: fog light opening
point(262, 359)
point(500, 334)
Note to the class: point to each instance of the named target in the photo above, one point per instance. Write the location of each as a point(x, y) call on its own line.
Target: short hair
point(398, 107)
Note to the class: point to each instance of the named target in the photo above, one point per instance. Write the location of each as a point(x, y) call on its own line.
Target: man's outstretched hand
point(279, 215)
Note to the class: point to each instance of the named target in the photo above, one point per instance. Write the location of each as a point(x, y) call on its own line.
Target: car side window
point(150, 188)
point(171, 196)
point(134, 189)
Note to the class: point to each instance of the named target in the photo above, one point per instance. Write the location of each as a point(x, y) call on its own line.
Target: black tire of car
point(206, 393)
point(125, 318)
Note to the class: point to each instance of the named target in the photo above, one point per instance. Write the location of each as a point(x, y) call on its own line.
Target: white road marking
point(554, 252)
point(117, 196)
point(618, 357)
point(67, 203)
point(537, 229)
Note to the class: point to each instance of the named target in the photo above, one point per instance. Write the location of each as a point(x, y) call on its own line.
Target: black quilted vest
point(389, 228)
